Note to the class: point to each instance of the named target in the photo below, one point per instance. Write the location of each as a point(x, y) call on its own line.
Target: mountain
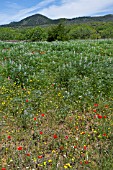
point(33, 20)
point(38, 20)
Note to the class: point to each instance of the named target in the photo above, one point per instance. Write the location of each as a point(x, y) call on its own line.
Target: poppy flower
point(27, 100)
point(94, 110)
point(85, 147)
point(28, 154)
point(35, 118)
point(55, 136)
point(3, 169)
point(105, 116)
point(99, 116)
point(95, 105)
point(19, 148)
point(104, 134)
point(66, 137)
point(9, 137)
point(75, 147)
point(86, 162)
point(42, 114)
point(41, 132)
point(40, 156)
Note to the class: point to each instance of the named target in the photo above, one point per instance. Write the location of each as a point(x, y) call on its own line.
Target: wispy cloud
point(32, 10)
point(20, 14)
point(57, 9)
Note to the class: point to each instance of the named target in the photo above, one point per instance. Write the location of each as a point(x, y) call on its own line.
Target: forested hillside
point(61, 32)
point(41, 20)
point(41, 28)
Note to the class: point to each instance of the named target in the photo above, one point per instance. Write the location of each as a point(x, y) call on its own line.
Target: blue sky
point(15, 10)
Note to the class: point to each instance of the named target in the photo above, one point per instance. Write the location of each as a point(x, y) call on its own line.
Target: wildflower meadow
point(56, 105)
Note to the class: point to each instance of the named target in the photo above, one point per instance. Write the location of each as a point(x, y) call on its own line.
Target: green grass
point(56, 105)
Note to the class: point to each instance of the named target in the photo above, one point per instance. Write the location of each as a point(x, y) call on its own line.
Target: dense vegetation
point(56, 103)
point(62, 32)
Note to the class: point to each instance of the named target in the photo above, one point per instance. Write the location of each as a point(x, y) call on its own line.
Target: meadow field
point(56, 105)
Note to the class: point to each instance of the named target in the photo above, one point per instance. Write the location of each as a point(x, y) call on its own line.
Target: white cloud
point(66, 9)
point(76, 8)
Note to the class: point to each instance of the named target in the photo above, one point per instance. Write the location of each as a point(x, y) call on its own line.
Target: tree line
point(60, 32)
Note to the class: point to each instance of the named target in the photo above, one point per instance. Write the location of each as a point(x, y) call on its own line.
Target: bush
point(36, 34)
point(7, 34)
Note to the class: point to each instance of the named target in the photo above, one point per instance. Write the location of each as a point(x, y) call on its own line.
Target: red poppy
point(19, 148)
point(99, 116)
point(35, 118)
point(96, 105)
point(94, 110)
point(85, 147)
point(42, 114)
point(3, 169)
point(40, 156)
point(28, 154)
point(104, 134)
point(9, 137)
point(55, 136)
point(66, 137)
point(41, 132)
point(26, 100)
point(75, 147)
point(105, 116)
point(86, 162)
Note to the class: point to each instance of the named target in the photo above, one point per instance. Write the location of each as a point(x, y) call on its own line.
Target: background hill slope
point(38, 19)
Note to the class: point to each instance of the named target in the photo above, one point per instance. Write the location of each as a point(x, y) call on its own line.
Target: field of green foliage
point(56, 105)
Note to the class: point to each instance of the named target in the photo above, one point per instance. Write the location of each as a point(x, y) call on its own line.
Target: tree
point(36, 34)
point(59, 32)
point(83, 31)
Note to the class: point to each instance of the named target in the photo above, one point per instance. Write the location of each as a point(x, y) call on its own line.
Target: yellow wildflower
point(49, 160)
point(44, 163)
point(3, 103)
point(65, 166)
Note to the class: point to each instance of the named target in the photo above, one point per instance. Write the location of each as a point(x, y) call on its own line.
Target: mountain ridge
point(40, 20)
